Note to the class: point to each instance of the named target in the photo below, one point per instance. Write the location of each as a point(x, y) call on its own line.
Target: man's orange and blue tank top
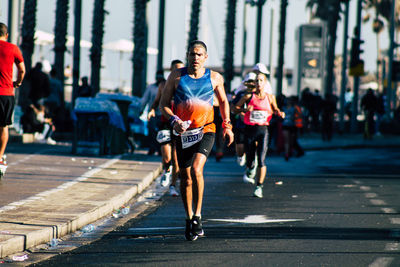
point(193, 100)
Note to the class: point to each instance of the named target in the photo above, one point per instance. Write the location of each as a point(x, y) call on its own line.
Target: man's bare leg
point(198, 182)
point(186, 191)
point(3, 140)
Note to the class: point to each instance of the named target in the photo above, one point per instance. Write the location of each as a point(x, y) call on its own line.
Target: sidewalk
point(313, 141)
point(69, 207)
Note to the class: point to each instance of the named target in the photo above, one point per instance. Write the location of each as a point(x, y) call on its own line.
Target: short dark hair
point(197, 43)
point(3, 29)
point(176, 61)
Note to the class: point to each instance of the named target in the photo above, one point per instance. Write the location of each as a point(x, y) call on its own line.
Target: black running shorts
point(186, 156)
point(7, 103)
point(164, 126)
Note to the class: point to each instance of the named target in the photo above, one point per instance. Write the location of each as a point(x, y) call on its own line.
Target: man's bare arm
point(20, 74)
point(165, 102)
point(156, 102)
point(219, 90)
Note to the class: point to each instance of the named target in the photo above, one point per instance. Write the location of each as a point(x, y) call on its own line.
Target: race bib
point(163, 136)
point(191, 137)
point(258, 116)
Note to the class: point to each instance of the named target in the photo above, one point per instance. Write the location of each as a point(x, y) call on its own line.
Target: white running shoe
point(50, 141)
point(172, 191)
point(166, 178)
point(3, 166)
point(252, 172)
point(241, 160)
point(247, 179)
point(258, 192)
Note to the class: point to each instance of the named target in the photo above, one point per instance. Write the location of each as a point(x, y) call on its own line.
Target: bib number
point(258, 116)
point(191, 137)
point(163, 136)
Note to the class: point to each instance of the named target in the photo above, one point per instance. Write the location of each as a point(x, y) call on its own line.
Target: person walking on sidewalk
point(168, 152)
point(193, 89)
point(258, 113)
point(9, 54)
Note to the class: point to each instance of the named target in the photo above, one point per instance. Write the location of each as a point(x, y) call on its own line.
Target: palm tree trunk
point(60, 39)
point(140, 51)
point(332, 27)
point(229, 43)
point(282, 31)
point(28, 32)
point(97, 44)
point(194, 21)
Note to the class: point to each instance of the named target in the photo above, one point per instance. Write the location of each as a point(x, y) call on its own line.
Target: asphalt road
point(328, 208)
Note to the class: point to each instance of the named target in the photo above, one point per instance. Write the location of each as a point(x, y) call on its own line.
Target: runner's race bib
point(163, 136)
point(191, 137)
point(258, 116)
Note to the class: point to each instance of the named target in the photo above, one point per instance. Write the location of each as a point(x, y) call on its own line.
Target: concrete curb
point(18, 233)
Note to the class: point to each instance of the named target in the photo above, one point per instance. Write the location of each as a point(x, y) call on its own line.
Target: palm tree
point(229, 43)
point(140, 51)
point(60, 31)
point(97, 43)
point(28, 32)
point(328, 10)
point(194, 21)
point(382, 9)
point(282, 31)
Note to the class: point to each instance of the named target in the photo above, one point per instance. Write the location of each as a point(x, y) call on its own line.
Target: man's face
point(197, 56)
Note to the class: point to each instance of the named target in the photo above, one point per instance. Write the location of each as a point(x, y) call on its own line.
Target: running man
point(258, 112)
point(9, 54)
point(168, 151)
point(193, 89)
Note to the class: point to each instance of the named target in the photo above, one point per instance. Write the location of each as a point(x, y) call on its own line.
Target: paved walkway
point(70, 206)
point(314, 141)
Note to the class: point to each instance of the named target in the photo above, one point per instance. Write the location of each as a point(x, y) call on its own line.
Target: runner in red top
point(258, 112)
point(9, 54)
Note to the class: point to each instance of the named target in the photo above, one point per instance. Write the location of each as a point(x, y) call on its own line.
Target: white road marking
point(377, 202)
point(395, 220)
point(381, 262)
point(347, 186)
point(365, 188)
point(22, 160)
point(155, 229)
point(392, 246)
point(254, 219)
point(370, 195)
point(388, 210)
point(63, 186)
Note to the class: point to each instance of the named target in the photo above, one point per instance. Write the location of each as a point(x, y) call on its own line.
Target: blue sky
point(119, 25)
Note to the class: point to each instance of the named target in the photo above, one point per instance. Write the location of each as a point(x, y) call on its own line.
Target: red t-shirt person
point(9, 54)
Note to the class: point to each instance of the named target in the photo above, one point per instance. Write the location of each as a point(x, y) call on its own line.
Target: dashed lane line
point(377, 202)
point(370, 195)
point(381, 262)
point(395, 220)
point(392, 246)
point(388, 210)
